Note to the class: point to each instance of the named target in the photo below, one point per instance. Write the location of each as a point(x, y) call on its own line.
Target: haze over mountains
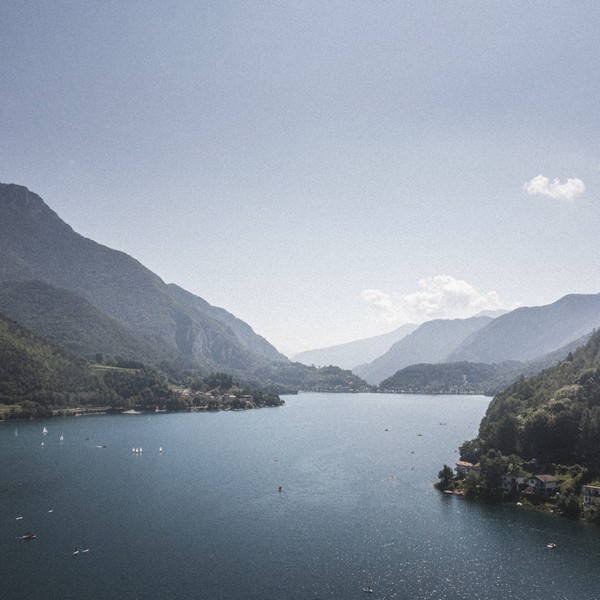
point(351, 354)
point(93, 300)
point(430, 343)
point(529, 332)
point(525, 334)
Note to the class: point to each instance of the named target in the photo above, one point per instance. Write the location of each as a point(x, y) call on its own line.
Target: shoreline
point(523, 503)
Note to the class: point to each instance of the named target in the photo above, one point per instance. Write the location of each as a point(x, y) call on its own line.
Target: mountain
point(35, 244)
point(432, 342)
point(354, 353)
point(245, 334)
point(529, 332)
point(468, 377)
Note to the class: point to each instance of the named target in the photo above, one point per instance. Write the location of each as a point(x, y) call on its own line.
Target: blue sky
point(324, 170)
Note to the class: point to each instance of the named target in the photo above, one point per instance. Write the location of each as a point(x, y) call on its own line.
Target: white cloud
point(555, 189)
point(439, 297)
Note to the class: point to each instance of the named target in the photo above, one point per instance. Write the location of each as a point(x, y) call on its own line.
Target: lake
point(204, 517)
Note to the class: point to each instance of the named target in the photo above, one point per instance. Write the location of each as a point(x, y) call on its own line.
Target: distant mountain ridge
point(351, 354)
point(432, 342)
point(35, 244)
point(530, 332)
point(468, 377)
point(523, 335)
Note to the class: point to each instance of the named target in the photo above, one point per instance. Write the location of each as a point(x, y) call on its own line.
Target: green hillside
point(33, 370)
point(40, 379)
point(69, 321)
point(553, 417)
point(446, 378)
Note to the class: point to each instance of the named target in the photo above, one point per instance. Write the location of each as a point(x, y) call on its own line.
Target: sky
point(326, 171)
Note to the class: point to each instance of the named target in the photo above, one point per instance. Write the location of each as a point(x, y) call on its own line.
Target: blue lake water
point(204, 518)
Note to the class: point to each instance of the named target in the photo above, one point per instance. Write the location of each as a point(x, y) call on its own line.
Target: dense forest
point(548, 426)
point(553, 417)
point(446, 378)
point(294, 376)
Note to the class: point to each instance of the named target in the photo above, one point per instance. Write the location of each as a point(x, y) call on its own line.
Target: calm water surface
point(204, 518)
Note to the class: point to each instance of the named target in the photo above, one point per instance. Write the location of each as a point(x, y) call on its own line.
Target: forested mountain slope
point(32, 369)
point(553, 417)
point(67, 320)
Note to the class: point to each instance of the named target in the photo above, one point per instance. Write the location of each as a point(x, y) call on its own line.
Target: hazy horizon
point(325, 171)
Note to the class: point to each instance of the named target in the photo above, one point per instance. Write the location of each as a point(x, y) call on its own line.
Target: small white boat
point(61, 438)
point(44, 431)
point(160, 449)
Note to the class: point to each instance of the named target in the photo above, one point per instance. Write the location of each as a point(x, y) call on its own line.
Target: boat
point(61, 438)
point(29, 536)
point(16, 432)
point(76, 551)
point(368, 590)
point(551, 546)
point(44, 431)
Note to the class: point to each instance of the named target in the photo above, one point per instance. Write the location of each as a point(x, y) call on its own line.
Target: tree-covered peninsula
point(540, 434)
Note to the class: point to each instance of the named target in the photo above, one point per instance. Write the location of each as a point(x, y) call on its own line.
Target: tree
point(471, 450)
point(493, 467)
point(445, 476)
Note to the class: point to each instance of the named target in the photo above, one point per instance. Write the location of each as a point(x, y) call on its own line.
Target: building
point(463, 468)
point(591, 494)
point(512, 483)
point(542, 484)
